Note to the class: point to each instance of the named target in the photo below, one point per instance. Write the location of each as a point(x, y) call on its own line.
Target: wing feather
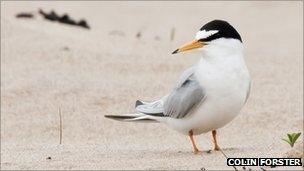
point(183, 99)
point(187, 94)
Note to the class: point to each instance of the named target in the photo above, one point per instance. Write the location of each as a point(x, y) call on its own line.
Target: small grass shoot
point(292, 138)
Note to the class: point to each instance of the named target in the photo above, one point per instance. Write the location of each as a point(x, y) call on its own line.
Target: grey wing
point(185, 76)
point(184, 97)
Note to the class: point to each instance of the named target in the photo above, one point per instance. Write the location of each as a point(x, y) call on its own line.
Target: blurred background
point(123, 56)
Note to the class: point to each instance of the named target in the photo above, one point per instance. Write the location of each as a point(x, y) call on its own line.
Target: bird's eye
point(205, 41)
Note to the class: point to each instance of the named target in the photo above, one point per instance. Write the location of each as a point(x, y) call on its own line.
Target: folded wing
point(187, 94)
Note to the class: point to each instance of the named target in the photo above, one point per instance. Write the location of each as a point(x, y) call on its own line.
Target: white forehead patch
point(204, 34)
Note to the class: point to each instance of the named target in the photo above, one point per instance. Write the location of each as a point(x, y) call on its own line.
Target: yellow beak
point(192, 45)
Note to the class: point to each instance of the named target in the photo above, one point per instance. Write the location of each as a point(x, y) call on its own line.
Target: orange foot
point(216, 148)
point(197, 151)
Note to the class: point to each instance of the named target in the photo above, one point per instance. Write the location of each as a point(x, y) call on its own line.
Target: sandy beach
point(125, 56)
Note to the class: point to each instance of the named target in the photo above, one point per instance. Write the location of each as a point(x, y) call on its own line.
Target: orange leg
point(195, 149)
point(216, 146)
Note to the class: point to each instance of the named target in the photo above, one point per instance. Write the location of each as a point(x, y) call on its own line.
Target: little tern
point(209, 94)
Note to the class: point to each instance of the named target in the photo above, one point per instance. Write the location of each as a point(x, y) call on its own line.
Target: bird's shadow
point(204, 152)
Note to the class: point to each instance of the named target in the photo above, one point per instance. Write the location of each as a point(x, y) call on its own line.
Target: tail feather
point(138, 117)
point(138, 103)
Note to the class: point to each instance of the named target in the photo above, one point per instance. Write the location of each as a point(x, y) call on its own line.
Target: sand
point(89, 73)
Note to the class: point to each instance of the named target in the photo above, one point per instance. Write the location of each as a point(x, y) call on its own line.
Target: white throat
point(223, 49)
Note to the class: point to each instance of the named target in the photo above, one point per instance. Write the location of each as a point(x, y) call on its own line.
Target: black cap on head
point(225, 30)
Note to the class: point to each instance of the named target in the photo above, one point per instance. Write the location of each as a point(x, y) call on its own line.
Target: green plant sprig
point(292, 138)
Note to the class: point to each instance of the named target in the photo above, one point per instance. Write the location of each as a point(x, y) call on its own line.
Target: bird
point(209, 94)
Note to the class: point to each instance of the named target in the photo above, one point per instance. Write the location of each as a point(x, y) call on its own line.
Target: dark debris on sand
point(65, 19)
point(24, 15)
